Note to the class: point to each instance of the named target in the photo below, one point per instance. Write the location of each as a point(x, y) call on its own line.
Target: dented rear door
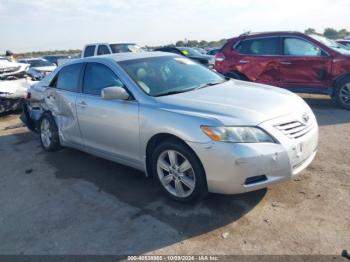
point(60, 99)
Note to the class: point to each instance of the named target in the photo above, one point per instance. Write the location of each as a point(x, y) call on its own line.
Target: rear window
point(125, 48)
point(69, 78)
point(262, 46)
point(89, 51)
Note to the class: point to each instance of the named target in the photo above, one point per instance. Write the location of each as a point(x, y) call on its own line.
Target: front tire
point(49, 133)
point(342, 93)
point(178, 171)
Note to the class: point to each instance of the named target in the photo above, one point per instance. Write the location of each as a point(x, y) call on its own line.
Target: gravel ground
point(69, 202)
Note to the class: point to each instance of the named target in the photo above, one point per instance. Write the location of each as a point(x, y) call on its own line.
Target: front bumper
point(237, 168)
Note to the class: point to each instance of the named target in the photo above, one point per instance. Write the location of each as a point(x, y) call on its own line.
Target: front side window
point(97, 77)
point(89, 51)
point(300, 47)
point(167, 75)
point(260, 46)
point(103, 50)
point(69, 78)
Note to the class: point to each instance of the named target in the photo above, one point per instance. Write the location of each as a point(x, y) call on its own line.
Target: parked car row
point(187, 126)
point(194, 129)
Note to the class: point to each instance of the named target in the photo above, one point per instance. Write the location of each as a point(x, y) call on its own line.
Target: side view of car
point(292, 60)
point(183, 124)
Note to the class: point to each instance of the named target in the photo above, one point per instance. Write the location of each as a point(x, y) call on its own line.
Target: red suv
point(292, 60)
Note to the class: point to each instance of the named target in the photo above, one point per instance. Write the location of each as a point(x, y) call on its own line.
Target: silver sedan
point(189, 127)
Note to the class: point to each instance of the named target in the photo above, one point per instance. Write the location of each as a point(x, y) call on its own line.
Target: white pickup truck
point(109, 48)
point(104, 49)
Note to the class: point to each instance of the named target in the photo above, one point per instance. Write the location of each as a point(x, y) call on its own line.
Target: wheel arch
point(237, 75)
point(337, 81)
point(159, 138)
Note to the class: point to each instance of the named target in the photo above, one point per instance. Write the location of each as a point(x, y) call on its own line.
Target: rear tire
point(342, 93)
point(178, 171)
point(48, 130)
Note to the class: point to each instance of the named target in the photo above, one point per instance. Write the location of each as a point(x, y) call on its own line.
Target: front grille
point(294, 129)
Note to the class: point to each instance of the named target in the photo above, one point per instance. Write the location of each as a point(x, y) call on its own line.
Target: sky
point(33, 25)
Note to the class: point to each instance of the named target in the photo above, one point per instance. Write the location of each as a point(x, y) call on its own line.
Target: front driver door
point(304, 65)
point(109, 127)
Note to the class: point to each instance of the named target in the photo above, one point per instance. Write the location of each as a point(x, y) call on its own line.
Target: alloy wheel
point(45, 133)
point(344, 94)
point(176, 173)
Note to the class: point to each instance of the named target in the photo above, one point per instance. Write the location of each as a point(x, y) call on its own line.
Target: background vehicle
point(191, 53)
point(292, 60)
point(54, 58)
point(109, 48)
point(344, 42)
point(38, 67)
point(14, 84)
point(213, 51)
point(12, 70)
point(189, 127)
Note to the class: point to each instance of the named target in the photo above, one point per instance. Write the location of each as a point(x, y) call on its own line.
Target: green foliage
point(330, 33)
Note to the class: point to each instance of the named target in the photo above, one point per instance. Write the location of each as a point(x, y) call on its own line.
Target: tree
point(180, 43)
point(330, 33)
point(343, 33)
point(310, 31)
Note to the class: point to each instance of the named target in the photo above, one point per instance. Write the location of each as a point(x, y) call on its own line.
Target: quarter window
point(300, 47)
point(89, 51)
point(97, 77)
point(103, 50)
point(69, 78)
point(262, 46)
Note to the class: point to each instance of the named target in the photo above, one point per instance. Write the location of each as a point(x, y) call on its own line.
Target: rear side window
point(69, 78)
point(97, 77)
point(262, 46)
point(103, 50)
point(89, 51)
point(300, 47)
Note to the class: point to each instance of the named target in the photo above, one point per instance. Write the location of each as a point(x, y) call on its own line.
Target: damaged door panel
point(60, 99)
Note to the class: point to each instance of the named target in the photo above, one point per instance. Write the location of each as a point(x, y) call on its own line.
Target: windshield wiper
point(209, 84)
point(174, 92)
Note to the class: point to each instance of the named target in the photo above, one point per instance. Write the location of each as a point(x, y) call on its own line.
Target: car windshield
point(332, 44)
point(39, 63)
point(189, 51)
point(166, 75)
point(124, 48)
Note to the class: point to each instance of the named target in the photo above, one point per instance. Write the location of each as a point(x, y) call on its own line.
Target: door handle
point(244, 61)
point(285, 63)
point(82, 104)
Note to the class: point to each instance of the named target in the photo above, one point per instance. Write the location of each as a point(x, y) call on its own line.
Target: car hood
point(235, 103)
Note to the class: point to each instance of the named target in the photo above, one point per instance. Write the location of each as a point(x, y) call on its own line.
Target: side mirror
point(114, 92)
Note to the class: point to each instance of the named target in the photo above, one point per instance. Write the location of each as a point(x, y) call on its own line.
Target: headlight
point(237, 134)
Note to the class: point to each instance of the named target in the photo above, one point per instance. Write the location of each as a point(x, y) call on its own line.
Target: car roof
point(271, 33)
point(112, 43)
point(118, 57)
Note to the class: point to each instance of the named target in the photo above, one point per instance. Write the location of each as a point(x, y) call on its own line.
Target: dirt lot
point(70, 202)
